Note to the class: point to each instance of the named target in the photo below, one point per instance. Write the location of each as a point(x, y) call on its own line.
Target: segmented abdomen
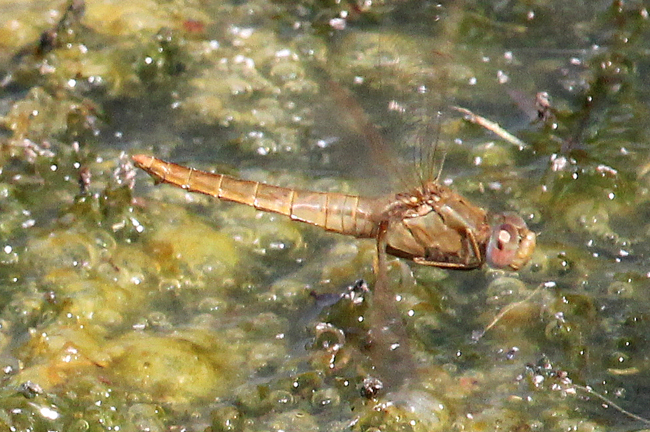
point(345, 214)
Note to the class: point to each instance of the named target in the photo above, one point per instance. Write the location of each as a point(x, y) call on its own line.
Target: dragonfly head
point(511, 243)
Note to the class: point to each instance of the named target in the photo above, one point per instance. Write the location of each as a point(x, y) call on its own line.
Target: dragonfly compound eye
point(511, 243)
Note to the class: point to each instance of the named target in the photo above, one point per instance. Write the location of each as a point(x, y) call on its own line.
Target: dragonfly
point(431, 224)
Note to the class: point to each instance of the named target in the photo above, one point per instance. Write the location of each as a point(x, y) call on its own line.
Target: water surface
point(129, 306)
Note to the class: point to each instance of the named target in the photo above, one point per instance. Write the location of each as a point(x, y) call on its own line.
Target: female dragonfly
point(431, 224)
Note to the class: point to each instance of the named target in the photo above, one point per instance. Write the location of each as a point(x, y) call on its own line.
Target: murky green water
point(128, 306)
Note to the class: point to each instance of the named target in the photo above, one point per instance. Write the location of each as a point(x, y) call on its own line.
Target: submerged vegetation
point(129, 307)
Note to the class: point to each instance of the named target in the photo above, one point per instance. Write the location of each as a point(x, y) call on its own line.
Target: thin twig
point(508, 308)
point(491, 126)
point(612, 404)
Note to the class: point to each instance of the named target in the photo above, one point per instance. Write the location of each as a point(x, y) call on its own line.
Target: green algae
point(145, 362)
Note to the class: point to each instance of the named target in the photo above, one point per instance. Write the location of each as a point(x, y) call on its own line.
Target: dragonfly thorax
point(435, 226)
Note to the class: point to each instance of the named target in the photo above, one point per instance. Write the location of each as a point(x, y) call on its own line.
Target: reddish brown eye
point(511, 242)
point(503, 245)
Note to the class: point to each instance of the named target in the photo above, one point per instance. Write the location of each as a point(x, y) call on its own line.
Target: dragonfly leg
point(389, 342)
point(472, 263)
point(446, 265)
point(477, 251)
